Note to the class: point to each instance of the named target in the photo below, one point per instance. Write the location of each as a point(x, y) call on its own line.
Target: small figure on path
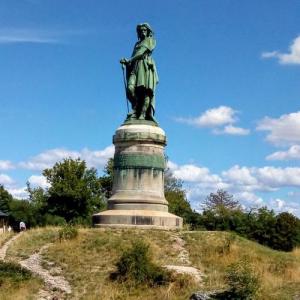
point(22, 226)
point(141, 75)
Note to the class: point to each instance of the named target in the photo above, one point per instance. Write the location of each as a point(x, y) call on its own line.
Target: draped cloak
point(142, 70)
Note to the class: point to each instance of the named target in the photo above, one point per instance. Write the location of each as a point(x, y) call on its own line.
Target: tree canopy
point(75, 191)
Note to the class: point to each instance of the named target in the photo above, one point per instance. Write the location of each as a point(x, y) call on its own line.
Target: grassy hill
point(87, 261)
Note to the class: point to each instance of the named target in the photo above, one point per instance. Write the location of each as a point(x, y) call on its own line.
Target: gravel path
point(34, 264)
point(183, 257)
point(55, 286)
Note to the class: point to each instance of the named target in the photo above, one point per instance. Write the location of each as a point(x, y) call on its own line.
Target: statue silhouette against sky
point(141, 75)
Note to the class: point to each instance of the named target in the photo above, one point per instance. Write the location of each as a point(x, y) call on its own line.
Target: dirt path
point(183, 257)
point(34, 264)
point(56, 286)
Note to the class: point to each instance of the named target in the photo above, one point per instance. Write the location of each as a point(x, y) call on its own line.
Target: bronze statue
point(141, 75)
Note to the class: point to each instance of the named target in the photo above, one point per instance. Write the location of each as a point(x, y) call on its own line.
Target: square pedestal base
point(137, 218)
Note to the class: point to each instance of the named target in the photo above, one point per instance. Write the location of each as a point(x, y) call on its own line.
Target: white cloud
point(278, 203)
point(18, 193)
point(48, 158)
point(245, 183)
point(240, 175)
point(232, 130)
point(220, 119)
point(38, 181)
point(6, 180)
point(282, 131)
point(278, 177)
point(293, 57)
point(6, 165)
point(250, 198)
point(213, 117)
point(292, 153)
point(192, 173)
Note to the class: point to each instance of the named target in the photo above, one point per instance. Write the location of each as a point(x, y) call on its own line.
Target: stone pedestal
point(138, 188)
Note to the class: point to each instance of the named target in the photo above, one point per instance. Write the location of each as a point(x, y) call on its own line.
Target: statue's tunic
point(142, 70)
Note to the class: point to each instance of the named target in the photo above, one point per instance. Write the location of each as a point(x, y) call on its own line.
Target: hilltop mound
point(86, 262)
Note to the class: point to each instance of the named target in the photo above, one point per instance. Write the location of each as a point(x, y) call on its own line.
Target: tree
point(221, 200)
point(285, 236)
point(176, 197)
point(221, 211)
point(106, 180)
point(74, 192)
point(5, 199)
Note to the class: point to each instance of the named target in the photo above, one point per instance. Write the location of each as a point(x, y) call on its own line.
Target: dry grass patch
point(213, 252)
point(88, 260)
point(31, 241)
point(4, 237)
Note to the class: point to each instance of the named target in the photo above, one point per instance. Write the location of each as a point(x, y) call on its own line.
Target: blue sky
point(228, 96)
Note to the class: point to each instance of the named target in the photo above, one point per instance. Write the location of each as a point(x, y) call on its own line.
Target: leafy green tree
point(285, 236)
point(178, 203)
point(262, 226)
point(22, 210)
point(106, 181)
point(5, 199)
point(75, 191)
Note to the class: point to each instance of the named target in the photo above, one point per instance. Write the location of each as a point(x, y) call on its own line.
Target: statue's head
point(144, 30)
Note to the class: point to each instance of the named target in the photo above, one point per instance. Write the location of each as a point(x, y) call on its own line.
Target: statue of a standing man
point(141, 75)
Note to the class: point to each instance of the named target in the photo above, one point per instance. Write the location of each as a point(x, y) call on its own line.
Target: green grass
point(16, 282)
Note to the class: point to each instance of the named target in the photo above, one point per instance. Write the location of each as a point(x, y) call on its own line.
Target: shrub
point(135, 266)
point(243, 282)
point(13, 271)
point(67, 232)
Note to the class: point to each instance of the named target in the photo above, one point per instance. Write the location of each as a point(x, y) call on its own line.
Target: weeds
point(135, 266)
point(242, 280)
point(67, 232)
point(13, 271)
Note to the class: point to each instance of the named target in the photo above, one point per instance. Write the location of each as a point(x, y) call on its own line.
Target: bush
point(135, 266)
point(67, 232)
point(13, 271)
point(243, 282)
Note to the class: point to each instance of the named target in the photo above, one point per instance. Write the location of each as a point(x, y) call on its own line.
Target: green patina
point(139, 161)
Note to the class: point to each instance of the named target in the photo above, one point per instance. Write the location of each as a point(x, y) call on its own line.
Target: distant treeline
point(75, 193)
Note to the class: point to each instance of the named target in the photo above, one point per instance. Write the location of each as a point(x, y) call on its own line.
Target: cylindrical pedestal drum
point(138, 186)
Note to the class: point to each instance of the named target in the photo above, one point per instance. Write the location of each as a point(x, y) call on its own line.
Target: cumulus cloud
point(278, 177)
point(232, 130)
point(38, 181)
point(292, 57)
point(240, 175)
point(47, 159)
point(293, 153)
point(6, 180)
point(283, 131)
point(213, 117)
point(6, 165)
point(220, 119)
point(19, 193)
point(245, 183)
